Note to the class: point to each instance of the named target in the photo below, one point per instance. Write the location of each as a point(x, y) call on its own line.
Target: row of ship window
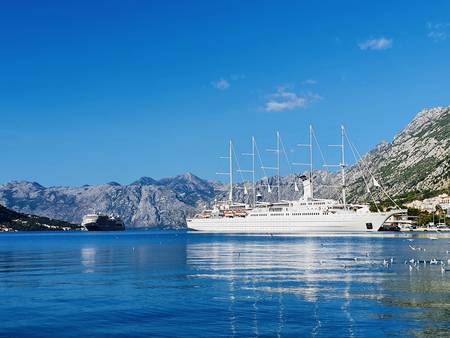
point(314, 203)
point(293, 214)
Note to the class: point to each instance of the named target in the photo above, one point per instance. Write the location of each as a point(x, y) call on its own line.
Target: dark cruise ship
point(96, 222)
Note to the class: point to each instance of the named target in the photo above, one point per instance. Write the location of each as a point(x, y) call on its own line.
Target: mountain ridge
point(418, 158)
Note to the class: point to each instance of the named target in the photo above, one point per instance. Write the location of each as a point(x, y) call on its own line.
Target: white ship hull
point(302, 216)
point(350, 223)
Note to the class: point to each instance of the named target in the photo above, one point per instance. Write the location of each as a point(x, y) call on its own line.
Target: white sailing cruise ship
point(306, 215)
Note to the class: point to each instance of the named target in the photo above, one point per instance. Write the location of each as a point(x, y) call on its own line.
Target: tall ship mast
point(305, 215)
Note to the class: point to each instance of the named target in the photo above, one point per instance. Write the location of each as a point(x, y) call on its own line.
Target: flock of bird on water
point(414, 264)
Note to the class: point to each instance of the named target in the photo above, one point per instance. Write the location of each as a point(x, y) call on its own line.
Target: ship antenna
point(341, 165)
point(344, 200)
point(277, 168)
point(278, 165)
point(230, 172)
point(311, 160)
point(252, 154)
point(253, 171)
point(230, 198)
point(310, 164)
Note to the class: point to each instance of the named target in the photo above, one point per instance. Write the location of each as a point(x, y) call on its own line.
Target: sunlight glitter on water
point(183, 284)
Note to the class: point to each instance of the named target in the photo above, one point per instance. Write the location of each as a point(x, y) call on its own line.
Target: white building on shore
point(430, 204)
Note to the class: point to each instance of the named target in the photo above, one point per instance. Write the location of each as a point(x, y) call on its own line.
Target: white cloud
point(438, 31)
point(287, 100)
point(221, 84)
point(309, 82)
point(376, 44)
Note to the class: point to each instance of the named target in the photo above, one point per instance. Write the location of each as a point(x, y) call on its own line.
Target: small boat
point(97, 222)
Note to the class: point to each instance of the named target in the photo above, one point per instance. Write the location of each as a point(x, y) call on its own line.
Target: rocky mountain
point(417, 159)
point(14, 221)
point(145, 202)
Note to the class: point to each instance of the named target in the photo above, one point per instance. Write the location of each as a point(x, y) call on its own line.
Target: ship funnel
point(307, 188)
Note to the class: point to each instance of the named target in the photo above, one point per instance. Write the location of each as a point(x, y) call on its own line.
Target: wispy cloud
point(221, 84)
point(376, 44)
point(283, 100)
point(225, 82)
point(309, 82)
point(438, 31)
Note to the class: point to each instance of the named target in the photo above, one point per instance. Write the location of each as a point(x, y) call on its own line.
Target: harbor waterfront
point(175, 283)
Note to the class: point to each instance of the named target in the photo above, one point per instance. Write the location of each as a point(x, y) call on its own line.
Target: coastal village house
point(430, 204)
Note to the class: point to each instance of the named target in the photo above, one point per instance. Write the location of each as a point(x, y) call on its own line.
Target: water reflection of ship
point(286, 269)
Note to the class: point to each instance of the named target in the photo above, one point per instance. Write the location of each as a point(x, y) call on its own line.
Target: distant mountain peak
point(188, 176)
point(27, 184)
point(144, 180)
point(185, 178)
point(423, 119)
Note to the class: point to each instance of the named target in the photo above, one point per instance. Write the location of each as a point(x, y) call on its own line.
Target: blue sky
point(98, 91)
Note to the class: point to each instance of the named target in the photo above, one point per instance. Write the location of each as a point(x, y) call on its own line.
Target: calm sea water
point(189, 284)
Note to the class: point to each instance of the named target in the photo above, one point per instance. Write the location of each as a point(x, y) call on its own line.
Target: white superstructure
point(303, 216)
point(89, 218)
point(306, 215)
